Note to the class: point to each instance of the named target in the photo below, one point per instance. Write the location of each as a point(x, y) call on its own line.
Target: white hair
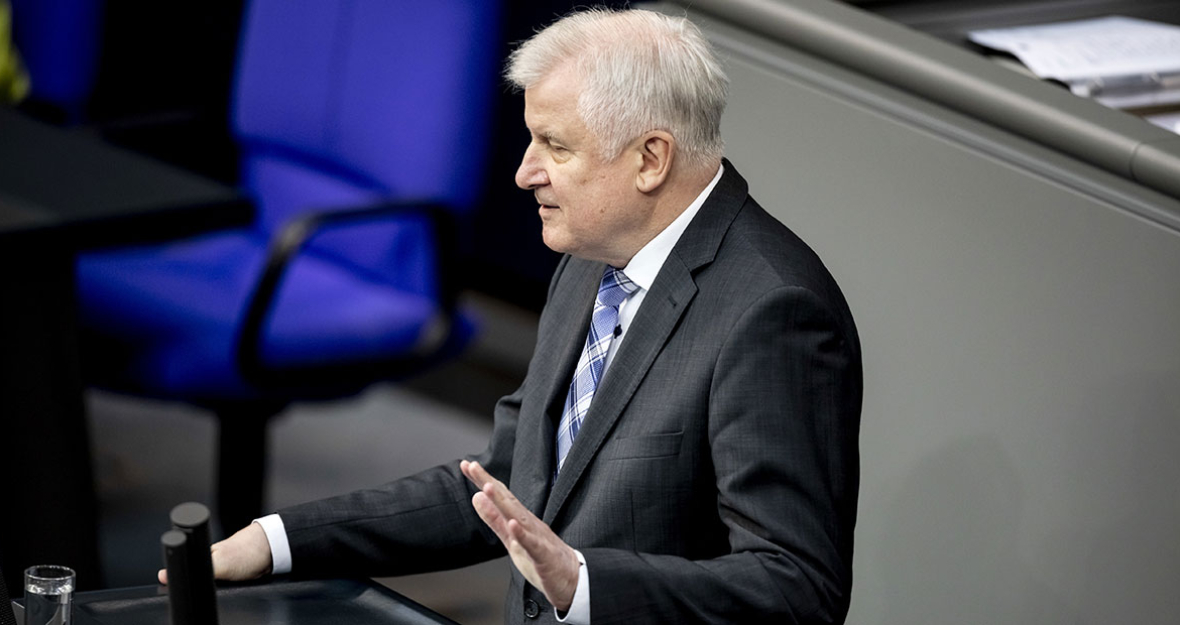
point(640, 71)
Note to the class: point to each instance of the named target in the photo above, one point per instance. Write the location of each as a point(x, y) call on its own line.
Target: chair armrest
point(286, 245)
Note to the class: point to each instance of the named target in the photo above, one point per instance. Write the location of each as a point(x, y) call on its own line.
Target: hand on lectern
point(243, 556)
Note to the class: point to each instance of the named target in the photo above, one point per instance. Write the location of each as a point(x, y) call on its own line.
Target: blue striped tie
point(613, 290)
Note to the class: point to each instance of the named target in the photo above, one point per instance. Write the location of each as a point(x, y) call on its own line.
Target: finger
point(554, 563)
point(516, 536)
point(465, 469)
point(491, 516)
point(498, 495)
point(508, 504)
point(476, 473)
point(494, 489)
point(535, 539)
point(521, 557)
point(528, 540)
point(162, 575)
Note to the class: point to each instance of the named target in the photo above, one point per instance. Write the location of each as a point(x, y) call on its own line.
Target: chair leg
point(242, 463)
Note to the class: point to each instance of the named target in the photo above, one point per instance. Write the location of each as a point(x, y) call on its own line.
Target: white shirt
point(642, 270)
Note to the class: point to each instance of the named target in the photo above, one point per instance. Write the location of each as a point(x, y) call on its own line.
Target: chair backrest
point(343, 104)
point(348, 102)
point(59, 43)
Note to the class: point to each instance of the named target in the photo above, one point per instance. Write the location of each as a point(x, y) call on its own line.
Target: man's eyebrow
point(546, 137)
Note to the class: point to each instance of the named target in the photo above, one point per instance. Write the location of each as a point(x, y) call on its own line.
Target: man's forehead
point(550, 102)
point(559, 87)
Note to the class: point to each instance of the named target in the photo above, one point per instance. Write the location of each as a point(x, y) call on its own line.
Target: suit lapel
point(554, 360)
point(669, 297)
point(661, 311)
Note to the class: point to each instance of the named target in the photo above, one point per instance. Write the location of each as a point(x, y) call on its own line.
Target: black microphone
point(618, 331)
point(175, 546)
point(194, 600)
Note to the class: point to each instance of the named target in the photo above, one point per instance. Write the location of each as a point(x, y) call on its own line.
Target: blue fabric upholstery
point(176, 311)
point(336, 105)
point(59, 43)
point(420, 130)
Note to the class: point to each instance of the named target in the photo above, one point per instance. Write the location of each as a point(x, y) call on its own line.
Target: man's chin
point(553, 240)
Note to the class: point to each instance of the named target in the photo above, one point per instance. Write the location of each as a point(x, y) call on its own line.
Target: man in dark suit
point(684, 446)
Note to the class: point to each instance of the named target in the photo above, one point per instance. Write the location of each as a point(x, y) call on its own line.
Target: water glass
point(49, 593)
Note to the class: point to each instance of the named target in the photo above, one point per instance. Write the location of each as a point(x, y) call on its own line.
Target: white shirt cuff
point(280, 549)
point(579, 613)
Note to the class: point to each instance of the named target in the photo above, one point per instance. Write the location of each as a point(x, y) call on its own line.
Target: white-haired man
point(684, 446)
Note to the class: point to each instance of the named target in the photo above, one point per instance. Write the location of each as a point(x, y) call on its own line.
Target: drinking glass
point(49, 593)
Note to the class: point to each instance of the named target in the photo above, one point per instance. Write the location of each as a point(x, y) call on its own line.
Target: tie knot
point(615, 288)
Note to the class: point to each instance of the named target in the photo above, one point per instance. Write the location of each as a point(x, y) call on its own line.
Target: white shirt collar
point(648, 261)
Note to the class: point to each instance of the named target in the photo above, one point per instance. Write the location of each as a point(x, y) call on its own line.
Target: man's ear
point(656, 152)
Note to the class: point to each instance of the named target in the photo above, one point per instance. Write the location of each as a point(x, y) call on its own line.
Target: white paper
point(1115, 48)
point(1171, 121)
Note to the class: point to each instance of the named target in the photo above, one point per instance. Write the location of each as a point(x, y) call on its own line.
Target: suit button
point(531, 609)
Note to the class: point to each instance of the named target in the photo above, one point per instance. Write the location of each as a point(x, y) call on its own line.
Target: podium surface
point(310, 602)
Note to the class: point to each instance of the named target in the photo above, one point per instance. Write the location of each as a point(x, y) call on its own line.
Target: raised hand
point(544, 559)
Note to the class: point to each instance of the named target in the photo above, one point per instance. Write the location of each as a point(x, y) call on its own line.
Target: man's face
point(589, 206)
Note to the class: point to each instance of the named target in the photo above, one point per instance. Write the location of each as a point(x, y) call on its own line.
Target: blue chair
point(363, 129)
point(59, 43)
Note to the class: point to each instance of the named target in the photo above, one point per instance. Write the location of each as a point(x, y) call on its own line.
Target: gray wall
point(1018, 310)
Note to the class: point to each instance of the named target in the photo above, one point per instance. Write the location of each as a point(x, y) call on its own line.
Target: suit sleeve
point(424, 522)
point(783, 415)
point(420, 523)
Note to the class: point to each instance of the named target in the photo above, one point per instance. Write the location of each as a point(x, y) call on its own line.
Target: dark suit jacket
point(715, 476)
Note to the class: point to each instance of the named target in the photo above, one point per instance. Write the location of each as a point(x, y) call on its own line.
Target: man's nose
point(530, 174)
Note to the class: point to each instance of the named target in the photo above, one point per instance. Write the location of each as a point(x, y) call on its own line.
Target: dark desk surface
point(313, 602)
point(74, 184)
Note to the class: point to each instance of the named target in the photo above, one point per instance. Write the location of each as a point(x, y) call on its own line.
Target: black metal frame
point(242, 452)
point(286, 245)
